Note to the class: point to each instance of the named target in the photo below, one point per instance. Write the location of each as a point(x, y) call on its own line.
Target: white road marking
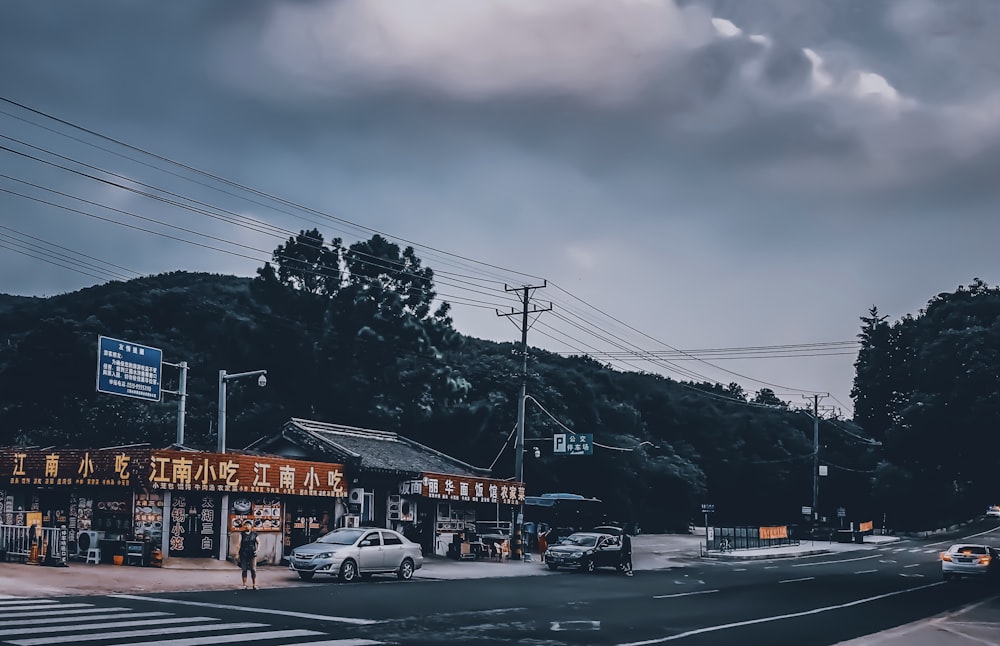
point(771, 567)
point(74, 609)
point(865, 571)
point(913, 565)
point(860, 558)
point(739, 569)
point(683, 594)
point(805, 578)
point(557, 626)
point(912, 576)
point(267, 611)
point(9, 596)
point(243, 637)
point(148, 632)
point(10, 632)
point(964, 538)
point(762, 620)
point(28, 602)
point(887, 561)
point(95, 617)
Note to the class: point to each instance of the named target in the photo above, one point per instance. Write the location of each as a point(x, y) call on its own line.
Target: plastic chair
point(503, 551)
point(93, 555)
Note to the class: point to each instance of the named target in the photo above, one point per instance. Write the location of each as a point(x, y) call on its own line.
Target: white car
point(993, 510)
point(351, 552)
point(965, 560)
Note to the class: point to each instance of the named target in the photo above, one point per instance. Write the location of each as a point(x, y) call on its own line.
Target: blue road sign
point(129, 369)
point(573, 443)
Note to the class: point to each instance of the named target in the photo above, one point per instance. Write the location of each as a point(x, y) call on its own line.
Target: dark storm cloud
point(770, 147)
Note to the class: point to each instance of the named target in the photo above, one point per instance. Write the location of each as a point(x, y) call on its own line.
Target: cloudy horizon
point(710, 173)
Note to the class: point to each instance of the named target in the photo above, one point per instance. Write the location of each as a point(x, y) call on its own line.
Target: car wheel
point(588, 566)
point(305, 576)
point(553, 567)
point(405, 571)
point(348, 571)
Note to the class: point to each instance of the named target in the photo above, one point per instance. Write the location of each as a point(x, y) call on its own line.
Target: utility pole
point(815, 502)
point(519, 443)
point(181, 392)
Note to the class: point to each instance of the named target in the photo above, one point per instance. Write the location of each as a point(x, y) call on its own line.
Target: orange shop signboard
point(97, 467)
point(185, 471)
point(171, 470)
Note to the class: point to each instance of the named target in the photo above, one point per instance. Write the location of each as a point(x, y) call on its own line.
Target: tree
point(306, 263)
point(766, 397)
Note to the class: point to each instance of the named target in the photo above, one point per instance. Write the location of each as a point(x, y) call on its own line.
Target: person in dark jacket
point(625, 565)
point(249, 544)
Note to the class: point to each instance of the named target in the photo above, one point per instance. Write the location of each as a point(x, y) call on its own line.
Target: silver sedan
point(964, 559)
point(351, 552)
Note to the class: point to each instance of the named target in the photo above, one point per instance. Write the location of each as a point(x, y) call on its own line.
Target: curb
point(762, 557)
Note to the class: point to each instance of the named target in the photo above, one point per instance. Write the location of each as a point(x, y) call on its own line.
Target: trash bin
point(859, 537)
point(844, 536)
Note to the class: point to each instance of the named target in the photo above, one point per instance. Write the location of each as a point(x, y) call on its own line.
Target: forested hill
point(455, 393)
point(350, 340)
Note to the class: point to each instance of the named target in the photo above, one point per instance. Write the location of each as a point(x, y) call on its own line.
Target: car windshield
point(582, 540)
point(970, 549)
point(341, 536)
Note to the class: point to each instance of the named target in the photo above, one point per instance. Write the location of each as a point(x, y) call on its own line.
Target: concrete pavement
point(976, 624)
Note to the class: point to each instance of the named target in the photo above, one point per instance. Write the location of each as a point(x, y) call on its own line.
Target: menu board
point(264, 513)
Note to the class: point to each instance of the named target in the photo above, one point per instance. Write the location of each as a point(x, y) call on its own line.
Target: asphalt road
point(818, 600)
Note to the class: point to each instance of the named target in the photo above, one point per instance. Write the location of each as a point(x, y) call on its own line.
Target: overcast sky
point(709, 173)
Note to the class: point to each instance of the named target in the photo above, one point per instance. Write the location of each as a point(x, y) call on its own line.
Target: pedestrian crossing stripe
point(42, 622)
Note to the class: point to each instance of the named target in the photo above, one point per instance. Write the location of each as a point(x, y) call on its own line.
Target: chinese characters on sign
point(573, 444)
point(185, 471)
point(469, 489)
point(128, 369)
point(172, 470)
point(101, 467)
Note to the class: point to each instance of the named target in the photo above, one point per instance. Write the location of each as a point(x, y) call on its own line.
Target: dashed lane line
point(683, 594)
point(805, 578)
point(860, 558)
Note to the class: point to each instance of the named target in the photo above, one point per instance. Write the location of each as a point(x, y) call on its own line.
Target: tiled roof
point(376, 450)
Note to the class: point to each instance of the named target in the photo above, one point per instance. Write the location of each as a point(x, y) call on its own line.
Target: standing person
point(249, 544)
point(626, 555)
point(543, 541)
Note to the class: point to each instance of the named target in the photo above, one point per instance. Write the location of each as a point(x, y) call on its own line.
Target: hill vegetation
point(354, 335)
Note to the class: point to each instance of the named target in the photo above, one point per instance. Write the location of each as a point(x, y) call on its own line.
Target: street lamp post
point(224, 378)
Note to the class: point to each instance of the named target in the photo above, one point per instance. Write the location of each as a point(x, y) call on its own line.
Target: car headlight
point(576, 555)
point(325, 555)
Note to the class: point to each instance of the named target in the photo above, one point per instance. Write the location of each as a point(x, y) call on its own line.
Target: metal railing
point(16, 542)
point(744, 538)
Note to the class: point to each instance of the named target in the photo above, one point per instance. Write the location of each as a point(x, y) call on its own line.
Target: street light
point(223, 379)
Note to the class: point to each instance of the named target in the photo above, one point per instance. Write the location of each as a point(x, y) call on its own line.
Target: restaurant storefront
point(464, 508)
point(430, 497)
point(187, 503)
